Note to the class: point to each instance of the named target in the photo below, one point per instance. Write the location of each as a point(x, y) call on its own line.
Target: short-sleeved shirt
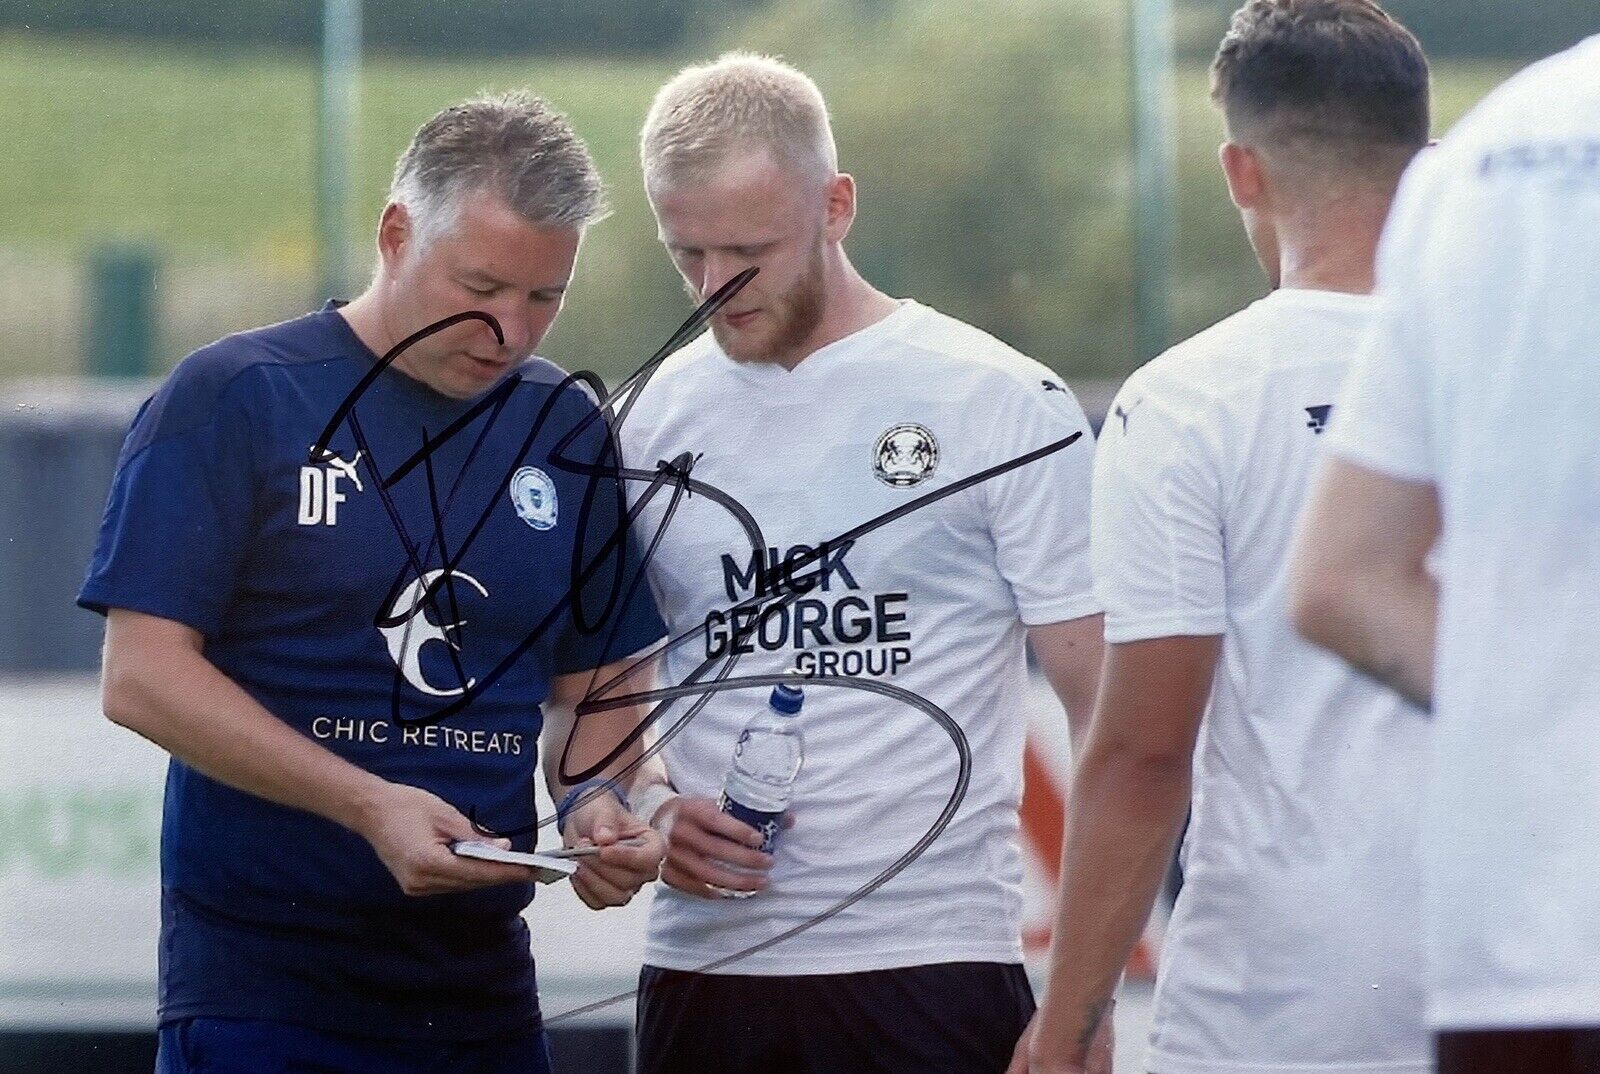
point(1483, 379)
point(935, 603)
point(302, 576)
point(1294, 943)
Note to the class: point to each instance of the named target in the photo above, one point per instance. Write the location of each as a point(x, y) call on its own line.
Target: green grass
point(210, 156)
point(215, 152)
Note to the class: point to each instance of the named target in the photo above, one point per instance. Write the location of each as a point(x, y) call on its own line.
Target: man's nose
point(516, 324)
point(718, 270)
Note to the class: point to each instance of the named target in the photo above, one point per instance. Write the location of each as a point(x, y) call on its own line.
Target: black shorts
point(955, 1017)
point(1519, 1051)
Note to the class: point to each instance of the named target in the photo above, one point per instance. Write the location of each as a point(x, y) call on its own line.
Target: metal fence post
point(1154, 165)
point(120, 332)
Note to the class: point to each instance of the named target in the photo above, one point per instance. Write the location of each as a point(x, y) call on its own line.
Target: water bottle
point(766, 761)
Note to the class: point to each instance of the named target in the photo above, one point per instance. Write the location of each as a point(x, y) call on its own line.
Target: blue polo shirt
point(355, 604)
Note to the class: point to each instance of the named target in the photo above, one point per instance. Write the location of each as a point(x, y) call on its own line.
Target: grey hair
point(512, 144)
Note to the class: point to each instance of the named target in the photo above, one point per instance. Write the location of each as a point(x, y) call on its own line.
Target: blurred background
point(990, 139)
point(175, 170)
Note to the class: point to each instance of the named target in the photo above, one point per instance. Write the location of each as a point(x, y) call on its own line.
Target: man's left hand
point(1040, 1051)
point(613, 876)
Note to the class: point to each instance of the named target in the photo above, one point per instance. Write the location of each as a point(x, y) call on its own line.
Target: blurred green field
point(215, 151)
point(209, 157)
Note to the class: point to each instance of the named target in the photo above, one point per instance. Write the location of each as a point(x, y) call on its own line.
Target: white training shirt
point(932, 603)
point(1483, 379)
point(1294, 944)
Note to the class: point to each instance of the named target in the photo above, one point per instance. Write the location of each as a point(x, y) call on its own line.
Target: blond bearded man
point(819, 403)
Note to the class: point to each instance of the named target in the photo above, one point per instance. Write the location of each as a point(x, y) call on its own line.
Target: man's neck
point(1333, 269)
point(1333, 250)
point(365, 317)
point(852, 304)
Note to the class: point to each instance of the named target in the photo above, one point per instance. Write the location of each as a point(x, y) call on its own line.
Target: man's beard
point(797, 313)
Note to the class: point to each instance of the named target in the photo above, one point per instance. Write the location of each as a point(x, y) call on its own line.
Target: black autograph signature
point(712, 675)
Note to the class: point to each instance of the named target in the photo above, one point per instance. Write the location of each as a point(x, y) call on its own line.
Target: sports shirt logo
point(1124, 415)
point(407, 629)
point(320, 495)
point(533, 494)
point(905, 455)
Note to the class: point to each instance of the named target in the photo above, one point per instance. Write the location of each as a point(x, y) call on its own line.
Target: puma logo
point(348, 469)
point(1125, 414)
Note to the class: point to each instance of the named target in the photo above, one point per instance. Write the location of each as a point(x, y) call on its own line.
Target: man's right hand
point(701, 841)
point(412, 830)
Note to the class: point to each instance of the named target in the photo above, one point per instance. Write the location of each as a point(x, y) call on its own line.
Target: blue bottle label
point(765, 823)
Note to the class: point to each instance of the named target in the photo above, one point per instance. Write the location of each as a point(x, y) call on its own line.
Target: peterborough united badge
point(534, 495)
point(905, 455)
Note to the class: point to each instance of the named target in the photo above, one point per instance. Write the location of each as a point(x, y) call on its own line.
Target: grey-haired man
point(346, 655)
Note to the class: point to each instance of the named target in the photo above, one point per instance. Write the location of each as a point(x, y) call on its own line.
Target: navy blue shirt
point(297, 576)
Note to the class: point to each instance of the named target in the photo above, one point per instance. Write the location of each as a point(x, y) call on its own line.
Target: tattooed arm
point(1128, 799)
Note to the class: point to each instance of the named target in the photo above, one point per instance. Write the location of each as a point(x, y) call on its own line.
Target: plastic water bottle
point(766, 761)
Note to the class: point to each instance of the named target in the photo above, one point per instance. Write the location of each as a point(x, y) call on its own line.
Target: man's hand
point(1041, 1053)
point(701, 841)
point(412, 830)
point(615, 875)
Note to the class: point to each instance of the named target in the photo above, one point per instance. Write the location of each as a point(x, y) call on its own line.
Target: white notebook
point(547, 870)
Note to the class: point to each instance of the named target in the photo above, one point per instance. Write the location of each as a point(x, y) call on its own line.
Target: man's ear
point(1241, 166)
point(841, 207)
point(395, 234)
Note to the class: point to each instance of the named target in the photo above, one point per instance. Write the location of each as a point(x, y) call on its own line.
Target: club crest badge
point(533, 494)
point(905, 455)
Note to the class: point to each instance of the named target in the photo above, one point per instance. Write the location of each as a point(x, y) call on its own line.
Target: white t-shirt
point(933, 603)
point(1294, 944)
point(1483, 379)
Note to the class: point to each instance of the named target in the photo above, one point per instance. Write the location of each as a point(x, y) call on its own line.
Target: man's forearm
point(1360, 583)
point(1125, 816)
point(180, 701)
point(576, 743)
point(645, 786)
point(651, 790)
point(1384, 627)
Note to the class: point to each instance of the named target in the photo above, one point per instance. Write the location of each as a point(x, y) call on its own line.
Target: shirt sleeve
point(178, 520)
point(1157, 547)
point(1381, 420)
point(1038, 512)
point(613, 612)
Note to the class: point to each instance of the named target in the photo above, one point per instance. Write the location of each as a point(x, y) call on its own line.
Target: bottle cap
point(787, 698)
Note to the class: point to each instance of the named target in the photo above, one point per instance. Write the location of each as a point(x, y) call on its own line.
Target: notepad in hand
point(547, 870)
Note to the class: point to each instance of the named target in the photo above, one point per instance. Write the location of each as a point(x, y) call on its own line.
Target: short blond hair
point(740, 101)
